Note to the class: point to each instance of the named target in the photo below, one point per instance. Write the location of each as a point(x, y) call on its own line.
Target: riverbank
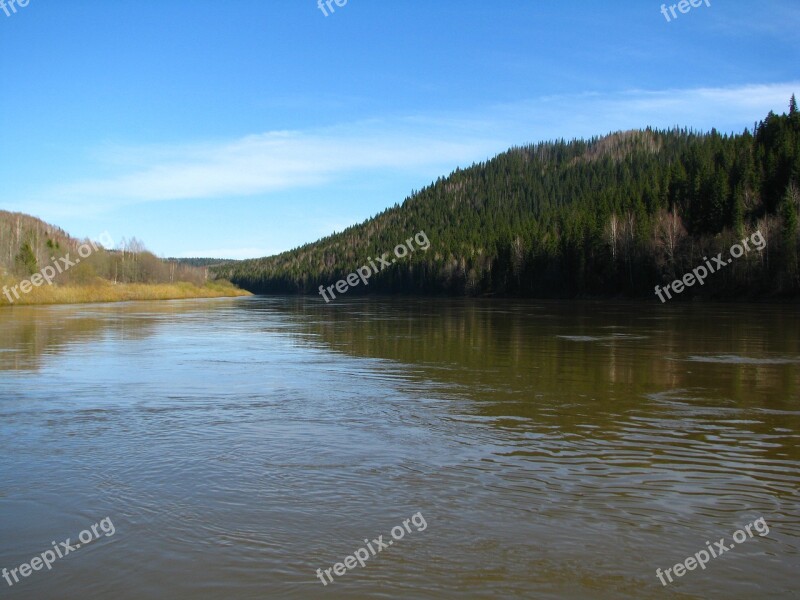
point(123, 292)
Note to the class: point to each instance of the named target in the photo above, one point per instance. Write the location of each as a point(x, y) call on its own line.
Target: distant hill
point(202, 262)
point(609, 216)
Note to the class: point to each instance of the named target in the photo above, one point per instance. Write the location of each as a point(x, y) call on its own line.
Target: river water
point(548, 450)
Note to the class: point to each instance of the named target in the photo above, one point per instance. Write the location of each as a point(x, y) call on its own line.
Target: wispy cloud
point(729, 109)
point(260, 164)
point(269, 162)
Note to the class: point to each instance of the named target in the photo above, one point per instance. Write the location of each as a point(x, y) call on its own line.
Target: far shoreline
point(638, 300)
point(123, 292)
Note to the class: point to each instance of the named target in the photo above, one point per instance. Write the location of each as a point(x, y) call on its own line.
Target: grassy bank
point(105, 291)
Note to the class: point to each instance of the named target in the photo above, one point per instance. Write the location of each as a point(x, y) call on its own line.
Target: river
point(551, 449)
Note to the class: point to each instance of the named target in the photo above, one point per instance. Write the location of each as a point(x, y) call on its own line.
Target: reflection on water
point(30, 332)
point(557, 450)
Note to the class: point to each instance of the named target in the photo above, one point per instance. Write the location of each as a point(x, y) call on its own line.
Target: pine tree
point(26, 259)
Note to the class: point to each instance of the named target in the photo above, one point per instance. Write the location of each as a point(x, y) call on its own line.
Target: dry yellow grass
point(105, 291)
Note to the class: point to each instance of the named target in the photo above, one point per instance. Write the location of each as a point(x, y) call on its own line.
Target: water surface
point(556, 450)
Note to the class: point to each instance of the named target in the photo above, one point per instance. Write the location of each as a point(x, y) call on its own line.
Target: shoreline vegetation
point(106, 291)
point(42, 264)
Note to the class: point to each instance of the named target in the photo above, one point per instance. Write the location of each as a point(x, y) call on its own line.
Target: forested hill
point(614, 215)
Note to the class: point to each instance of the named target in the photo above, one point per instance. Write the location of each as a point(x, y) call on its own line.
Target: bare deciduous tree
point(669, 234)
point(612, 231)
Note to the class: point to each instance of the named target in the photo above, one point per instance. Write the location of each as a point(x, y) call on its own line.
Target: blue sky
point(247, 127)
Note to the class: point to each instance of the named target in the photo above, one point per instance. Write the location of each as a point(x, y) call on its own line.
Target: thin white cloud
point(270, 162)
point(264, 163)
point(729, 109)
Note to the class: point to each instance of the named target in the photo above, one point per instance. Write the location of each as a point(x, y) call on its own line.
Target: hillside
point(41, 263)
point(613, 215)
